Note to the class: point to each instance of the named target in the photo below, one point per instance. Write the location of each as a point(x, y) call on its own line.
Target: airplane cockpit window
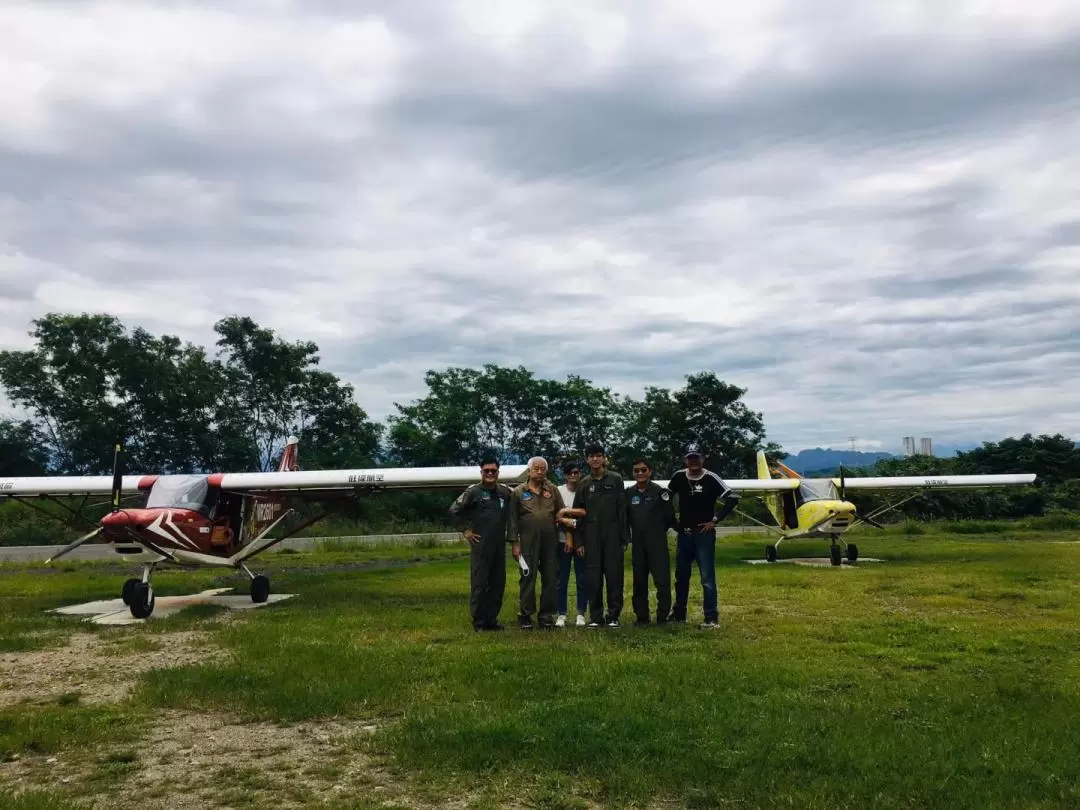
point(180, 492)
point(811, 490)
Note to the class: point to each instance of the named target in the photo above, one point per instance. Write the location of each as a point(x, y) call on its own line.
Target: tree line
point(89, 381)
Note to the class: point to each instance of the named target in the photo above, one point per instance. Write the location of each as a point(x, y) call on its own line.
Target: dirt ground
point(188, 760)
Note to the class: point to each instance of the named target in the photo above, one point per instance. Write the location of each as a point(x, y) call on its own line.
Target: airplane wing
point(73, 485)
point(748, 485)
point(313, 481)
point(936, 482)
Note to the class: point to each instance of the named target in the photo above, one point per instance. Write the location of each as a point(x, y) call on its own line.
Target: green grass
point(948, 675)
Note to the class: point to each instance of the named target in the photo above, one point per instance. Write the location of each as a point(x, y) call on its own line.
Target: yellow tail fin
point(772, 500)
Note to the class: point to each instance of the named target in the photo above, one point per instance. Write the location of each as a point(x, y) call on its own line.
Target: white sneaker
point(561, 621)
point(580, 620)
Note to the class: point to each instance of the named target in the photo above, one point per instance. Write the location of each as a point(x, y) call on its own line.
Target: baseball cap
point(693, 449)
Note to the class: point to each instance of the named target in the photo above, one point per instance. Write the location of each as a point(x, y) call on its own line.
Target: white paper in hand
point(524, 565)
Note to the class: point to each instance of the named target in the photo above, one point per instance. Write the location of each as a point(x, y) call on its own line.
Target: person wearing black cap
point(482, 513)
point(697, 490)
point(605, 535)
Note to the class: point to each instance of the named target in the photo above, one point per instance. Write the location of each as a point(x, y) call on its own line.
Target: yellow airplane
point(818, 507)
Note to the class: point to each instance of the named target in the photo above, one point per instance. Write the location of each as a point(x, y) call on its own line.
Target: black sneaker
point(493, 626)
point(677, 617)
point(525, 622)
point(641, 622)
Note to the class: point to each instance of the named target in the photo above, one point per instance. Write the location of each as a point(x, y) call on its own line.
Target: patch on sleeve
point(665, 495)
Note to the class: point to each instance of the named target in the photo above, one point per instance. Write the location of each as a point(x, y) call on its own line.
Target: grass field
point(947, 675)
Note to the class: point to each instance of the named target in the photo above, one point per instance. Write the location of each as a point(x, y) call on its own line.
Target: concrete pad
point(114, 611)
point(816, 562)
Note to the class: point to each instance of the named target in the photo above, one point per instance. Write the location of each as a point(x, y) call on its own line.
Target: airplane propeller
point(74, 545)
point(118, 477)
point(843, 490)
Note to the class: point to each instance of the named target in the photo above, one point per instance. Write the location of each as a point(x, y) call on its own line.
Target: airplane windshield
point(179, 492)
point(811, 490)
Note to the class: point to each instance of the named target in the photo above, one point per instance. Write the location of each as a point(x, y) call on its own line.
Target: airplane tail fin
point(772, 500)
point(782, 505)
point(261, 512)
point(290, 456)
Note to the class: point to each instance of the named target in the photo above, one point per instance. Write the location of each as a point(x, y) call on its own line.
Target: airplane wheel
point(852, 552)
point(834, 554)
point(260, 588)
point(129, 590)
point(770, 553)
point(142, 601)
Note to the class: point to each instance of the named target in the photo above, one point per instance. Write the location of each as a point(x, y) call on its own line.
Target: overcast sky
point(867, 214)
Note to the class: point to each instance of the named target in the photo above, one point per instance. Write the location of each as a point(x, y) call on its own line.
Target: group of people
point(587, 524)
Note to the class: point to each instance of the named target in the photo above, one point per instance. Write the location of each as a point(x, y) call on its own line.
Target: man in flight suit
point(650, 514)
point(481, 514)
point(536, 509)
point(605, 535)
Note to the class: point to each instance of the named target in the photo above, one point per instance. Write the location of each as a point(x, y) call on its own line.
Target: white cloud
point(864, 213)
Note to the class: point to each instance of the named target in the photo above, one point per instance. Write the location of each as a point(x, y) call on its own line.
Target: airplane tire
point(852, 552)
point(260, 588)
point(142, 601)
point(128, 593)
point(834, 554)
point(770, 553)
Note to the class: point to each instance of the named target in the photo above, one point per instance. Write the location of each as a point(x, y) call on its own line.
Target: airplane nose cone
point(117, 520)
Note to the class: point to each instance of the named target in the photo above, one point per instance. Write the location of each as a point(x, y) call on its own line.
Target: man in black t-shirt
point(696, 491)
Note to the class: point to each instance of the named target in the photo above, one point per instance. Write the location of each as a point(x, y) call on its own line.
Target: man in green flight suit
point(536, 512)
point(650, 514)
point(605, 535)
point(481, 512)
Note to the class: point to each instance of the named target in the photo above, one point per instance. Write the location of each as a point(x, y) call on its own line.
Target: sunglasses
point(573, 472)
point(640, 470)
point(490, 470)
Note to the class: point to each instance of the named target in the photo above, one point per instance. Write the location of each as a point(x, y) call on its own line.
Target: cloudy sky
point(867, 214)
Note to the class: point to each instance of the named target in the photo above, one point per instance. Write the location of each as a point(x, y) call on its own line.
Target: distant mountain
point(819, 459)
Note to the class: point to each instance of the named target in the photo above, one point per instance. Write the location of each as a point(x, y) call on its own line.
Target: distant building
point(924, 448)
point(909, 445)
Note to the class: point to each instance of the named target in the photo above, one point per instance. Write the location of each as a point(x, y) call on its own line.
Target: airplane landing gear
point(852, 552)
point(260, 586)
point(139, 594)
point(128, 593)
point(834, 552)
point(770, 553)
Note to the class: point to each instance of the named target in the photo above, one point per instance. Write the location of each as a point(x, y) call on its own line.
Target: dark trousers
point(697, 547)
point(565, 560)
point(541, 553)
point(650, 557)
point(604, 567)
point(487, 581)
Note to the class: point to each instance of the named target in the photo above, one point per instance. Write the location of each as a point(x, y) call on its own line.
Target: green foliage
point(89, 382)
point(706, 410)
point(470, 412)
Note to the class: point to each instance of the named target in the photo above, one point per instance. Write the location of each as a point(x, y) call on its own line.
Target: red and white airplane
point(221, 519)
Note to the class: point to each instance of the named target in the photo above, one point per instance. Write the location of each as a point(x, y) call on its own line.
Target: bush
point(974, 527)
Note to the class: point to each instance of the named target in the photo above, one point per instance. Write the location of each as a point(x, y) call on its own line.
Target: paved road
point(91, 551)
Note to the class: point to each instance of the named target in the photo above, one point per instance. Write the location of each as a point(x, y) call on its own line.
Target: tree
point(274, 389)
point(706, 410)
point(23, 450)
point(88, 383)
point(468, 412)
point(1054, 459)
